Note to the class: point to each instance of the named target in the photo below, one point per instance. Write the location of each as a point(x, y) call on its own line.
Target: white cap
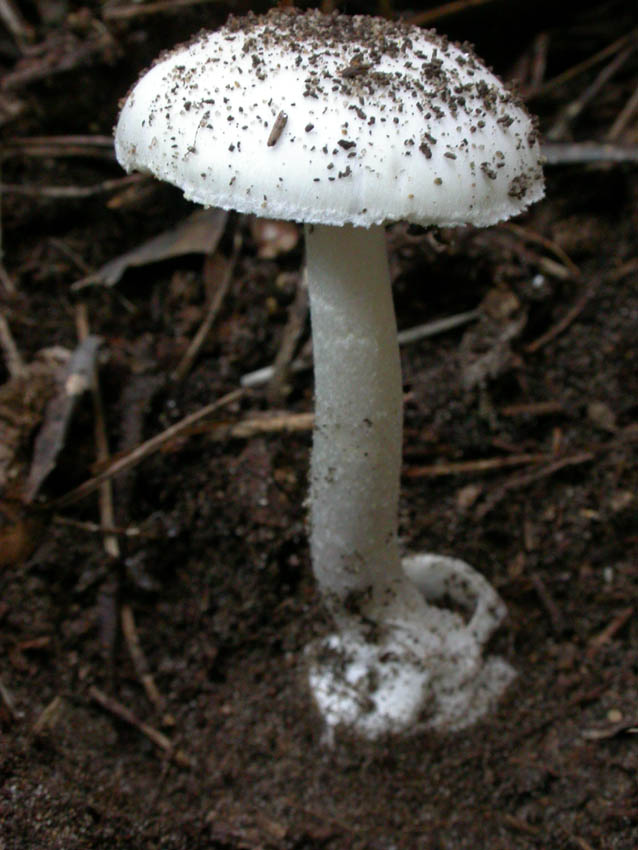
point(333, 119)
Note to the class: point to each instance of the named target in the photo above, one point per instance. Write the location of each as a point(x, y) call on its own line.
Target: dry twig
point(61, 52)
point(139, 659)
point(135, 456)
point(276, 423)
point(6, 701)
point(527, 478)
point(444, 11)
point(137, 10)
point(107, 515)
point(61, 193)
point(14, 362)
point(609, 632)
point(580, 153)
point(465, 467)
point(588, 63)
point(100, 147)
point(405, 337)
point(574, 311)
point(555, 616)
point(185, 364)
point(13, 20)
point(624, 117)
point(281, 368)
point(533, 408)
point(97, 528)
point(548, 244)
point(123, 713)
point(573, 109)
point(49, 716)
point(6, 280)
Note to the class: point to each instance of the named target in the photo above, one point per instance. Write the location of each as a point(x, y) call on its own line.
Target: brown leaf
point(22, 403)
point(50, 440)
point(198, 234)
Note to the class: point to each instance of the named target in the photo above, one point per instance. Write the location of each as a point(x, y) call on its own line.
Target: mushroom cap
point(332, 119)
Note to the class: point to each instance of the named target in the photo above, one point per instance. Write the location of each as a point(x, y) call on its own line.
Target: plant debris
point(152, 695)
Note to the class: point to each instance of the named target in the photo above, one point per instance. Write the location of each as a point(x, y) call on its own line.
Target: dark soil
point(219, 582)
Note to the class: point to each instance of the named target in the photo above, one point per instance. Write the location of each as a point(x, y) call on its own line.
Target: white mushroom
point(347, 123)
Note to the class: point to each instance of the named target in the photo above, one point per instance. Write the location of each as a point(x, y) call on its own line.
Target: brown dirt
point(220, 585)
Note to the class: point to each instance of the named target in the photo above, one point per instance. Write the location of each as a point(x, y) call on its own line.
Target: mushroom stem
point(356, 458)
point(393, 654)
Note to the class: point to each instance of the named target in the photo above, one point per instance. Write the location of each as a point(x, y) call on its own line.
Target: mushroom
point(346, 124)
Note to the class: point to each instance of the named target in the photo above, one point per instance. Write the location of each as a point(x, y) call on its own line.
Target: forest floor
point(152, 685)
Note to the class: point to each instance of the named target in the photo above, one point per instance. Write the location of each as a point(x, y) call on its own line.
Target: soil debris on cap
point(386, 88)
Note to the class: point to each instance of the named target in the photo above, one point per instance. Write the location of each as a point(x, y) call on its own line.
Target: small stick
point(132, 458)
point(531, 236)
point(629, 267)
point(139, 659)
point(573, 109)
point(73, 192)
point(527, 478)
point(568, 153)
point(519, 824)
point(290, 337)
point(464, 467)
point(540, 48)
point(114, 13)
point(547, 265)
point(436, 327)
point(107, 514)
point(57, 57)
point(185, 364)
point(15, 363)
point(445, 11)
point(96, 528)
point(534, 408)
point(429, 329)
point(6, 280)
point(6, 699)
point(551, 607)
point(587, 294)
point(123, 713)
point(624, 117)
point(59, 146)
point(277, 424)
point(609, 632)
point(63, 248)
point(588, 63)
point(12, 18)
point(48, 716)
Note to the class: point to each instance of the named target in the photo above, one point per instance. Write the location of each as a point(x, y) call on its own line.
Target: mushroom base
point(387, 679)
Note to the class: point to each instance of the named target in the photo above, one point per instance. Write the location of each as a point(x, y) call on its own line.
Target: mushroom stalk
point(357, 444)
point(393, 654)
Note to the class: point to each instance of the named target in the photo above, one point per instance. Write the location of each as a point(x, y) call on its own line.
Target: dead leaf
point(198, 234)
point(50, 440)
point(22, 403)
